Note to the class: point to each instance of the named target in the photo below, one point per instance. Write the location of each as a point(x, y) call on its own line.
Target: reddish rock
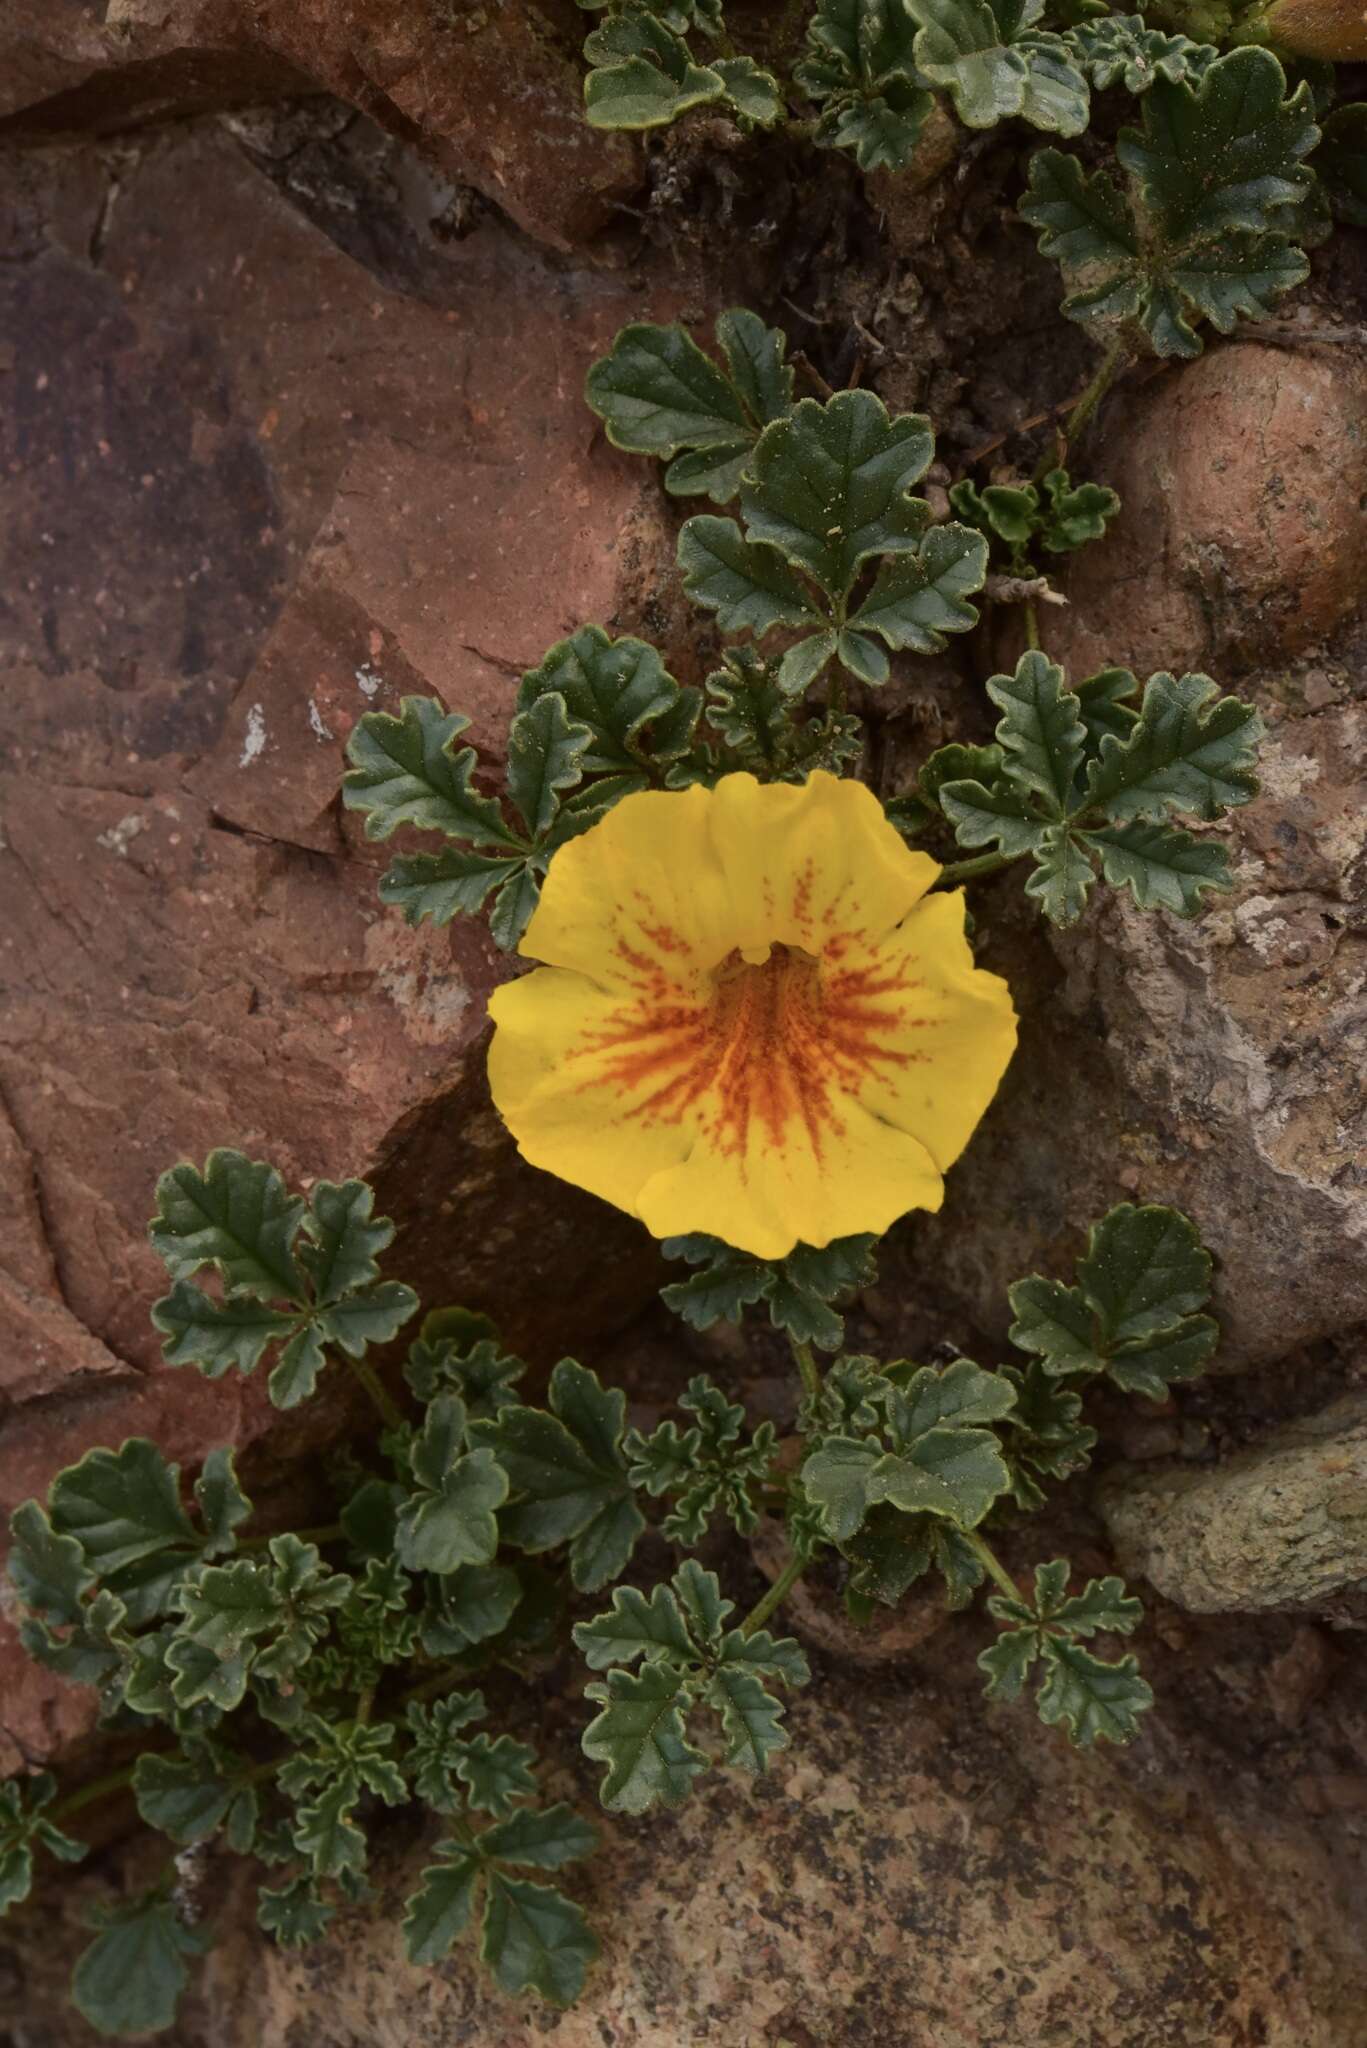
point(1243, 525)
point(249, 492)
point(494, 93)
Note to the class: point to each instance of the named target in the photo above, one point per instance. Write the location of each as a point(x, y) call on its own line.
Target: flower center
point(765, 1026)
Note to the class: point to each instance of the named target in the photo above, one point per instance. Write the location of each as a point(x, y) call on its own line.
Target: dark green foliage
point(130, 1978)
point(1124, 49)
point(568, 1475)
point(797, 1290)
point(1081, 777)
point(24, 1828)
point(300, 1274)
point(657, 393)
point(1133, 1312)
point(643, 73)
point(995, 61)
point(713, 1469)
point(1089, 1698)
point(1200, 232)
point(859, 66)
point(690, 1658)
point(532, 1937)
point(825, 496)
point(1058, 515)
point(597, 720)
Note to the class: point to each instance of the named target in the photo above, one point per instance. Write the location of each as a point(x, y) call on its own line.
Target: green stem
point(808, 1367)
point(364, 1706)
point(98, 1788)
point(1031, 625)
point(968, 870)
point(1112, 363)
point(991, 1563)
point(775, 1597)
point(390, 1413)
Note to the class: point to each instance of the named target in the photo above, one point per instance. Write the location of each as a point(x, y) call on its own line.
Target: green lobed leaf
point(880, 130)
point(1163, 867)
point(217, 1335)
point(120, 1506)
point(1191, 750)
point(404, 772)
point(450, 1520)
point(1144, 1268)
point(130, 1978)
point(798, 1290)
point(495, 1771)
point(343, 1239)
point(917, 598)
point(23, 1827)
point(1103, 702)
point(236, 1215)
point(1062, 876)
point(639, 1735)
point(830, 486)
point(1076, 513)
point(995, 62)
point(643, 75)
point(634, 710)
point(294, 1914)
point(1041, 731)
point(749, 586)
point(325, 1833)
point(1091, 1699)
point(188, 1796)
point(541, 1838)
point(47, 1569)
point(222, 1504)
point(546, 748)
point(754, 94)
point(953, 1473)
point(1224, 153)
point(999, 816)
point(468, 1606)
point(452, 883)
point(535, 1938)
point(568, 1475)
point(635, 1626)
point(1124, 49)
point(441, 1908)
point(751, 1718)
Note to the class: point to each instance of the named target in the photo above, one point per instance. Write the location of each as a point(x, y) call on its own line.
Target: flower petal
point(755, 1022)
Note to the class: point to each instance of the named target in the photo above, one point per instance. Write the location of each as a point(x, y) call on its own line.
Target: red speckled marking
point(755, 1052)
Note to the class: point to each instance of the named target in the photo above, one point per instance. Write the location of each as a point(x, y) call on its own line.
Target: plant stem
point(991, 1563)
point(1031, 625)
point(807, 1366)
point(98, 1788)
point(1113, 362)
point(389, 1411)
point(969, 870)
point(775, 1597)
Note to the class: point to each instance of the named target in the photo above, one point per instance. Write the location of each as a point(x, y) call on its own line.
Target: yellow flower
point(753, 1021)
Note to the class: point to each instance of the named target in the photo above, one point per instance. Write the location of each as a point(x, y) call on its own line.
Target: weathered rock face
point(495, 92)
point(1215, 1063)
point(1282, 1524)
point(1243, 525)
point(251, 491)
point(916, 1872)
